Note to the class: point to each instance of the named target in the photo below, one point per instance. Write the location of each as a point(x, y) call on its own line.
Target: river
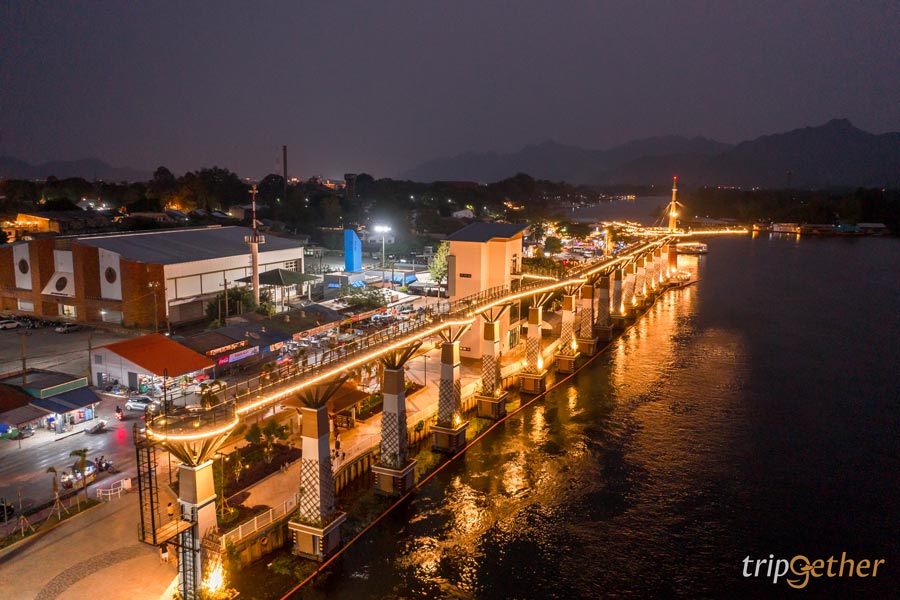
point(754, 413)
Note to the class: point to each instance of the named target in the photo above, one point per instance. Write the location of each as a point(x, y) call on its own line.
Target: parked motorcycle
point(120, 414)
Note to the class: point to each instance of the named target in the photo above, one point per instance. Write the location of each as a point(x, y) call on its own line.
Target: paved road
point(25, 468)
point(46, 349)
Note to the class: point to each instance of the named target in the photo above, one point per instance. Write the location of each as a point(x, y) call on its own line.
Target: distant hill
point(835, 154)
point(557, 162)
point(88, 168)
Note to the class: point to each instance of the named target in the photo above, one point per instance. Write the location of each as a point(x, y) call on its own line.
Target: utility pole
point(154, 285)
point(22, 335)
point(90, 369)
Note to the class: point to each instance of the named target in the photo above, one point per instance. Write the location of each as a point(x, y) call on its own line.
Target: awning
point(67, 401)
point(22, 415)
point(61, 284)
point(280, 277)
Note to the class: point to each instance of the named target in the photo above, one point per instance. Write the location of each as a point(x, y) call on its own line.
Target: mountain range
point(88, 168)
point(835, 154)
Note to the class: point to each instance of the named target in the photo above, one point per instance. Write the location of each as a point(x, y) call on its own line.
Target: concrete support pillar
point(449, 434)
point(394, 474)
point(672, 255)
point(197, 502)
point(628, 289)
point(640, 278)
point(491, 402)
point(567, 327)
point(317, 534)
point(490, 358)
point(316, 479)
point(617, 292)
point(449, 399)
point(586, 319)
point(532, 379)
point(534, 361)
point(601, 289)
point(568, 346)
point(394, 447)
point(658, 270)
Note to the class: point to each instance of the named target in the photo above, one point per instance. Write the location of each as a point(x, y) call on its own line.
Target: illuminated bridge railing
point(248, 391)
point(191, 420)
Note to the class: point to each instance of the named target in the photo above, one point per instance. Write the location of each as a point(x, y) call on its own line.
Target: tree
point(552, 245)
point(438, 267)
point(81, 467)
point(365, 298)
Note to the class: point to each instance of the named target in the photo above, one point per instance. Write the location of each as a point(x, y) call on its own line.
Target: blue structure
point(352, 252)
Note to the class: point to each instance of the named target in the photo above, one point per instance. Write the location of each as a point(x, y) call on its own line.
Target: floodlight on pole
point(383, 230)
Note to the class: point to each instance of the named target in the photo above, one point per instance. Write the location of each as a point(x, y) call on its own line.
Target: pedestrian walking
point(170, 510)
point(164, 553)
point(337, 443)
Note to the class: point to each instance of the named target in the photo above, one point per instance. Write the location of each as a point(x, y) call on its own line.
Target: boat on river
point(691, 248)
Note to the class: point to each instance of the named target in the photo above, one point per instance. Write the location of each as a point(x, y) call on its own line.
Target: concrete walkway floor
point(92, 556)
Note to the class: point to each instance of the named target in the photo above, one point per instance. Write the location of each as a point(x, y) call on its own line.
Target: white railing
point(258, 522)
point(115, 490)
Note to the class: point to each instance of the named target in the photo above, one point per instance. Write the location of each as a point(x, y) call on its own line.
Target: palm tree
point(57, 504)
point(81, 466)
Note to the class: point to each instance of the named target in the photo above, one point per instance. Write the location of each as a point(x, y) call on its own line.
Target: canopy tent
point(281, 278)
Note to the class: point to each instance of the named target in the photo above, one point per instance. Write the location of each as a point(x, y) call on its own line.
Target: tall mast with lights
point(673, 206)
point(255, 239)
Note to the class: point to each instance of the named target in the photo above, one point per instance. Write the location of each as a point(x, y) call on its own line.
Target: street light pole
point(383, 230)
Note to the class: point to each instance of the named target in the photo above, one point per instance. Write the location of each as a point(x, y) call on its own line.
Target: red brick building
point(124, 278)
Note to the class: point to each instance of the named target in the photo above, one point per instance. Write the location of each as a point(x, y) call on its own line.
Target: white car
point(138, 403)
point(8, 324)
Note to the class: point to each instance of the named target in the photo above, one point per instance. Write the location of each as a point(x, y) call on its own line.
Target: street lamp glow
point(383, 230)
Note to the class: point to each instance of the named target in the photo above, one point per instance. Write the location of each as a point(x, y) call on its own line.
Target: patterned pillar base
point(394, 482)
point(493, 406)
point(533, 383)
point(317, 543)
point(449, 440)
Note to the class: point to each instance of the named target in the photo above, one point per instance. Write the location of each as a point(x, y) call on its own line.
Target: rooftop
point(172, 246)
point(37, 379)
point(485, 232)
point(157, 354)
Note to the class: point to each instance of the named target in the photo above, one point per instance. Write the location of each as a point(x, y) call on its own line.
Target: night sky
point(379, 86)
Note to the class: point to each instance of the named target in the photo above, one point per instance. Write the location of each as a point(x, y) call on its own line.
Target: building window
point(98, 359)
point(290, 265)
point(67, 310)
point(26, 306)
point(513, 337)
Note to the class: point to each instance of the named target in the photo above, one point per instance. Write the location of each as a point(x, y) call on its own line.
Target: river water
point(754, 413)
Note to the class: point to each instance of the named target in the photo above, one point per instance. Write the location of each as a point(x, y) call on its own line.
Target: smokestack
point(284, 167)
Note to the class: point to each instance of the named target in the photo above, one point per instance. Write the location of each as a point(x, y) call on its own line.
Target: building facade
point(484, 256)
point(143, 279)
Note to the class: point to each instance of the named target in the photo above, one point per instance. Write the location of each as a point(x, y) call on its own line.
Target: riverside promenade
point(96, 555)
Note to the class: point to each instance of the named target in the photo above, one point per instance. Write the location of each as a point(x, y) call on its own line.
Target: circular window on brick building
point(23, 266)
point(61, 284)
point(110, 275)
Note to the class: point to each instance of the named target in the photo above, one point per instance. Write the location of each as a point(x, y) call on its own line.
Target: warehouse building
point(146, 279)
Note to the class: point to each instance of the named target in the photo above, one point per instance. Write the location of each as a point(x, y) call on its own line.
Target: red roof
point(155, 353)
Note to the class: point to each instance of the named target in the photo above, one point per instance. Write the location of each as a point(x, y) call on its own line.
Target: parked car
point(67, 328)
point(23, 433)
point(140, 403)
point(8, 324)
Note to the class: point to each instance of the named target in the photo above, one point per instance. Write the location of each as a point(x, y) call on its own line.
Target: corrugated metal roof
point(155, 353)
point(172, 246)
point(67, 401)
point(485, 232)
